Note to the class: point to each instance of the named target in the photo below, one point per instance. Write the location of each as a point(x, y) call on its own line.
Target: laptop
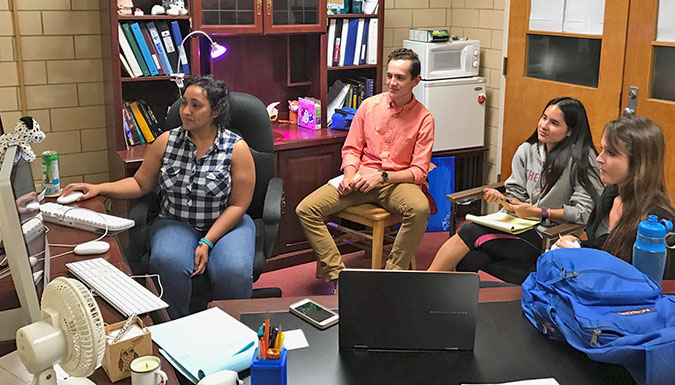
point(400, 310)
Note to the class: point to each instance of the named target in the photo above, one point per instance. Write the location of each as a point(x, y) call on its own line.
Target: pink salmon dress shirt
point(383, 137)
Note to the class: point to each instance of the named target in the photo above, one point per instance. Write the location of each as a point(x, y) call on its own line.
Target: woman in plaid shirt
point(206, 175)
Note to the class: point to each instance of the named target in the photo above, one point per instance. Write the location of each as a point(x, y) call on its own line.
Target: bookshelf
point(329, 74)
point(159, 91)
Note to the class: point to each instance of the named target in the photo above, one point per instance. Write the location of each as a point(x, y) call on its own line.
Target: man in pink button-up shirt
point(385, 159)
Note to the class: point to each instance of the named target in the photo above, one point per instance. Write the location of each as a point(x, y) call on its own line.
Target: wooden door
point(650, 66)
point(526, 96)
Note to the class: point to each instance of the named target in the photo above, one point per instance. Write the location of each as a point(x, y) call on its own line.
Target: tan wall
point(60, 42)
point(476, 19)
point(63, 70)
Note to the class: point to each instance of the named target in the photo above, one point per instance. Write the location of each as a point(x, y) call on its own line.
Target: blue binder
point(351, 41)
point(144, 49)
point(157, 40)
point(178, 38)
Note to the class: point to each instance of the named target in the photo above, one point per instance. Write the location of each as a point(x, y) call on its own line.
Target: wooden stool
point(378, 219)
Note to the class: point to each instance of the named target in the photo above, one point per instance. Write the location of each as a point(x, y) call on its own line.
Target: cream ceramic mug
point(145, 371)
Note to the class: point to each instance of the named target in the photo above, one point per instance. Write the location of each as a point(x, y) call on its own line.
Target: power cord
point(159, 281)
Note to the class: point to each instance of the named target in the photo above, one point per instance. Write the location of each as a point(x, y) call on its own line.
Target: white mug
point(145, 371)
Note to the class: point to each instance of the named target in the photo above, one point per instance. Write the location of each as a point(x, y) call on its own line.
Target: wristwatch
point(385, 176)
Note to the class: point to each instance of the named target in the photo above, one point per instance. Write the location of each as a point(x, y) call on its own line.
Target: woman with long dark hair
point(554, 177)
point(632, 168)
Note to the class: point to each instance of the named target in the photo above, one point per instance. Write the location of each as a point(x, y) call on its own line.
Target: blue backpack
point(605, 308)
point(342, 118)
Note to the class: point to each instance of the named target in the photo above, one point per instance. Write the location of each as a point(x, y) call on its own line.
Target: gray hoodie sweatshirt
point(523, 184)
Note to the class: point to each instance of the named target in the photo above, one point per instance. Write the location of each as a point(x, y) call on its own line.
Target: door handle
point(269, 7)
point(632, 102)
point(258, 7)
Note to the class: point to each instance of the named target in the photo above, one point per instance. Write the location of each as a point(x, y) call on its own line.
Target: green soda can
point(50, 173)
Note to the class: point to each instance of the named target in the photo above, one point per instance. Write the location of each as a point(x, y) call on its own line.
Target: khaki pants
point(405, 199)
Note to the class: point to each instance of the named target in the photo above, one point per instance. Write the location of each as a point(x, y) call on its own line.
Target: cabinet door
point(228, 16)
point(303, 170)
point(295, 16)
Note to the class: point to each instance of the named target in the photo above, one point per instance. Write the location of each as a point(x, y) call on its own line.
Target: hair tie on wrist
point(544, 213)
point(208, 243)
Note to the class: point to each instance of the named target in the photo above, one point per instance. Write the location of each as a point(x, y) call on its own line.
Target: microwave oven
point(447, 60)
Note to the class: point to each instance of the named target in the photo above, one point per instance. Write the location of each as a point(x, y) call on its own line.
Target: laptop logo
point(447, 312)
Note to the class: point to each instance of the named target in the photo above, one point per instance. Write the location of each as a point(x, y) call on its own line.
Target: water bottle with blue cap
point(649, 250)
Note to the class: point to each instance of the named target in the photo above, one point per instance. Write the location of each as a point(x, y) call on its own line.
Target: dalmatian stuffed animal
point(26, 131)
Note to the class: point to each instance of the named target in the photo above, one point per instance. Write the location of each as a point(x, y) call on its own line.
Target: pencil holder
point(268, 372)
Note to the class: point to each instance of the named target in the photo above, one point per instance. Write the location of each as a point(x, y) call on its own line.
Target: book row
point(358, 90)
point(139, 123)
point(151, 48)
point(352, 42)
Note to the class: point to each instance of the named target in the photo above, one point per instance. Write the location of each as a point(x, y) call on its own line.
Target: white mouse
point(34, 206)
point(37, 275)
point(70, 198)
point(91, 247)
point(224, 377)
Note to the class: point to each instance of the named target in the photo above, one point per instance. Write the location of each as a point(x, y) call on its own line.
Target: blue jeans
point(230, 264)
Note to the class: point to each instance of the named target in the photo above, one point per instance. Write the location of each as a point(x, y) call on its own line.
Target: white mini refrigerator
point(458, 106)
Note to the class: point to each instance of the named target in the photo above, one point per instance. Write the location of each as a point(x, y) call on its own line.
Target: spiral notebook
point(505, 222)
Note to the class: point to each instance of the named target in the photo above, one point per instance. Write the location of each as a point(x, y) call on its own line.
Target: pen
point(273, 337)
point(353, 177)
point(267, 333)
point(124, 328)
point(281, 340)
point(278, 339)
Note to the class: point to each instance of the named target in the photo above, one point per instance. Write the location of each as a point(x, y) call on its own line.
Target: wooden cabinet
point(305, 160)
point(227, 17)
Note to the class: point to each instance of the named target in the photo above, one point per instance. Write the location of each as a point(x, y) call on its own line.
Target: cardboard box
point(309, 113)
point(118, 355)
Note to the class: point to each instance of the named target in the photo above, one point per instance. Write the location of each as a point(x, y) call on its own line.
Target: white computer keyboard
point(32, 228)
point(83, 219)
point(117, 288)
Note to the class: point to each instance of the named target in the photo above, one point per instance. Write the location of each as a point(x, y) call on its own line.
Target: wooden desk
point(66, 235)
point(489, 362)
point(237, 307)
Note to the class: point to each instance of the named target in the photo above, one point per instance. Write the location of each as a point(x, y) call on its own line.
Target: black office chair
point(250, 120)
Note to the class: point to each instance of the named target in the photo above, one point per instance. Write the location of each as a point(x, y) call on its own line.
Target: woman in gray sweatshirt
point(554, 176)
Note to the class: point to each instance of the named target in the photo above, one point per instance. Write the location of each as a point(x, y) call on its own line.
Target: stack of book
point(352, 42)
point(349, 93)
point(151, 49)
point(139, 122)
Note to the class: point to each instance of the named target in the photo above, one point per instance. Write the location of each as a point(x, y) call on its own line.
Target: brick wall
point(60, 42)
point(476, 19)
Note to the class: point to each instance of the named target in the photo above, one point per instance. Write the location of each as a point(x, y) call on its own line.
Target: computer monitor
point(23, 236)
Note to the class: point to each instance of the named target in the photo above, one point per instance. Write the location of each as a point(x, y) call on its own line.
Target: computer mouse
point(37, 275)
point(34, 206)
point(224, 377)
point(91, 247)
point(70, 198)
